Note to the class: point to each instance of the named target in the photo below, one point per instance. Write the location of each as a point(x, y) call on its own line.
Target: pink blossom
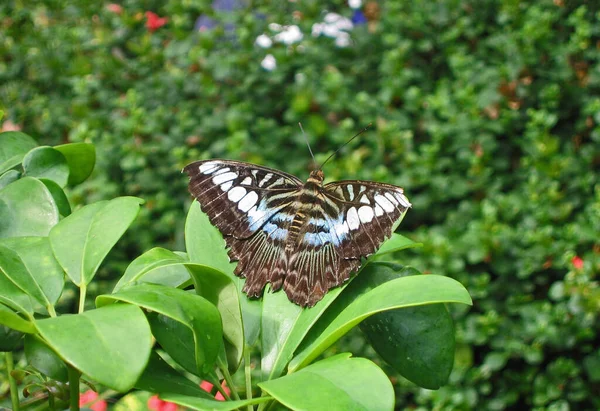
point(156, 404)
point(577, 262)
point(206, 386)
point(90, 400)
point(114, 8)
point(154, 22)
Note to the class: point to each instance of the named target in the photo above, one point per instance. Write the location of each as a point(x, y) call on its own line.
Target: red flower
point(114, 8)
point(156, 404)
point(577, 262)
point(90, 399)
point(153, 22)
point(207, 386)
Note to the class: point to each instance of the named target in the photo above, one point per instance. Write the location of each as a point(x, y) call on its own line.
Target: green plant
point(202, 333)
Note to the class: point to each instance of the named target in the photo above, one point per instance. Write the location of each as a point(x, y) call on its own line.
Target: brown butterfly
point(304, 237)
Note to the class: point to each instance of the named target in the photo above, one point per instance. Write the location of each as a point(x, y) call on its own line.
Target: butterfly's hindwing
point(306, 238)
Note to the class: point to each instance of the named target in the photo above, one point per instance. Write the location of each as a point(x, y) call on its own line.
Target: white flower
point(269, 63)
point(338, 21)
point(275, 27)
point(354, 4)
point(343, 39)
point(317, 29)
point(289, 35)
point(263, 41)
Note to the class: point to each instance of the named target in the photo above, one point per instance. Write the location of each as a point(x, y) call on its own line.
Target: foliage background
point(487, 113)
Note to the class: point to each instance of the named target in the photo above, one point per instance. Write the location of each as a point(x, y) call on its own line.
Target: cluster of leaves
point(206, 333)
point(486, 113)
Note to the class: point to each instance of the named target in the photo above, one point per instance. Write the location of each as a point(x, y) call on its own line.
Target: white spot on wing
point(221, 178)
point(341, 229)
point(226, 186)
point(364, 200)
point(378, 210)
point(248, 201)
point(266, 178)
point(384, 202)
point(236, 193)
point(208, 168)
point(403, 200)
point(246, 182)
point(393, 199)
point(350, 192)
point(365, 214)
point(352, 218)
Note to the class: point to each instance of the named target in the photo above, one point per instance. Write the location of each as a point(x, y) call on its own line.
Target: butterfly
point(304, 237)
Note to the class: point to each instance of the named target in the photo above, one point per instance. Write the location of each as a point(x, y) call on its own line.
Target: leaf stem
point(82, 293)
point(248, 374)
point(229, 380)
point(14, 392)
point(51, 310)
point(73, 388)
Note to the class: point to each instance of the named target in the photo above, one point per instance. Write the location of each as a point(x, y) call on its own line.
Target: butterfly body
point(303, 237)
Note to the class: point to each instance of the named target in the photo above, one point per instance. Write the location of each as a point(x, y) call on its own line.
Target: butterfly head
point(316, 177)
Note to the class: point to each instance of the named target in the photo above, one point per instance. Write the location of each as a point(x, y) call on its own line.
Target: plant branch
point(73, 388)
point(14, 393)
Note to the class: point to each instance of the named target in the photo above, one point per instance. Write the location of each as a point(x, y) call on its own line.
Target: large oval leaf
point(13, 320)
point(42, 358)
point(26, 209)
point(110, 344)
point(81, 158)
point(192, 311)
point(337, 383)
point(9, 177)
point(417, 341)
point(46, 162)
point(205, 245)
point(13, 147)
point(40, 271)
point(157, 266)
point(82, 240)
point(351, 308)
point(60, 198)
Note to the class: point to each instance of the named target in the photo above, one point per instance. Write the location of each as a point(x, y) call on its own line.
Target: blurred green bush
point(486, 112)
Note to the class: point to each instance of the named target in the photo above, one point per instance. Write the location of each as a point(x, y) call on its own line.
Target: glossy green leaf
point(10, 339)
point(202, 404)
point(417, 341)
point(358, 303)
point(396, 242)
point(194, 312)
point(157, 266)
point(81, 159)
point(60, 198)
point(111, 344)
point(46, 162)
point(27, 208)
point(9, 177)
point(13, 147)
point(219, 289)
point(13, 320)
point(160, 378)
point(42, 358)
point(205, 245)
point(82, 240)
point(30, 264)
point(14, 297)
point(284, 326)
point(336, 383)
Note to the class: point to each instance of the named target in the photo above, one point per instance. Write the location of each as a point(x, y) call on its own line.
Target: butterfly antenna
point(307, 143)
point(345, 144)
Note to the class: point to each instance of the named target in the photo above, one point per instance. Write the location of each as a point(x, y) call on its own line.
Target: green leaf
point(9, 177)
point(418, 342)
point(219, 289)
point(205, 245)
point(26, 209)
point(10, 339)
point(13, 320)
point(284, 326)
point(81, 159)
point(13, 297)
point(356, 304)
point(42, 358)
point(116, 335)
point(157, 266)
point(29, 263)
point(159, 377)
point(82, 240)
point(202, 404)
point(60, 198)
point(337, 383)
point(198, 315)
point(396, 243)
point(46, 162)
point(13, 147)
